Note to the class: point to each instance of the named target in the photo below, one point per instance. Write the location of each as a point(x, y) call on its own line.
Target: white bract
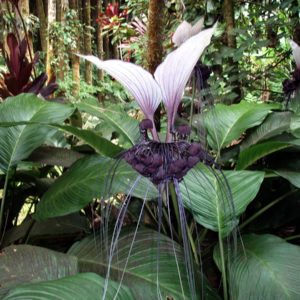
point(296, 53)
point(169, 81)
point(185, 30)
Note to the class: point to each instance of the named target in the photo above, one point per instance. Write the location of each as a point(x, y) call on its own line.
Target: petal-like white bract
point(182, 33)
point(198, 26)
point(135, 79)
point(173, 74)
point(296, 53)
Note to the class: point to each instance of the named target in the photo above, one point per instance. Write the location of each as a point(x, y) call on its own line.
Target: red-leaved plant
point(18, 78)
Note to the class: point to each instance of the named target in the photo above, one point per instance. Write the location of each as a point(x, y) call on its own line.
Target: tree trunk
point(43, 24)
point(155, 46)
point(99, 46)
point(61, 7)
point(231, 42)
point(74, 58)
point(50, 47)
point(22, 13)
point(295, 16)
point(88, 41)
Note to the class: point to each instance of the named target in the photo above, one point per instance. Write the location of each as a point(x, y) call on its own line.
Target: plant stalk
point(176, 209)
point(265, 208)
point(2, 207)
point(223, 267)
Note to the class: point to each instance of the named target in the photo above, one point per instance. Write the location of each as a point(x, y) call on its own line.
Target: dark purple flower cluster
point(162, 162)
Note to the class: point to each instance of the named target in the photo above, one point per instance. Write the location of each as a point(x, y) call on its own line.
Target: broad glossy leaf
point(224, 124)
point(87, 286)
point(54, 156)
point(208, 197)
point(295, 125)
point(266, 268)
point(256, 152)
point(141, 272)
point(118, 119)
point(100, 144)
point(294, 104)
point(290, 175)
point(20, 141)
point(88, 178)
point(49, 231)
point(25, 263)
point(275, 124)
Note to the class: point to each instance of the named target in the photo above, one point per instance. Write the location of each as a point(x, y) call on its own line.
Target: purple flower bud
point(184, 130)
point(194, 149)
point(146, 124)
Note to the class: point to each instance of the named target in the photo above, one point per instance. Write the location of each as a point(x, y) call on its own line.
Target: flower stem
point(192, 243)
point(293, 237)
point(265, 208)
point(223, 267)
point(176, 209)
point(2, 207)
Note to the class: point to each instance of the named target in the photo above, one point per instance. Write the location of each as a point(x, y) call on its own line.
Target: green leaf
point(256, 152)
point(266, 268)
point(292, 176)
point(88, 178)
point(294, 104)
point(224, 124)
point(141, 272)
point(118, 119)
point(48, 232)
point(87, 286)
point(20, 141)
point(54, 156)
point(275, 124)
point(24, 263)
point(295, 126)
point(100, 144)
point(207, 196)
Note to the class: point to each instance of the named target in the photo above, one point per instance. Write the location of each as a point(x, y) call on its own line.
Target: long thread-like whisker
point(131, 245)
point(186, 246)
point(159, 207)
point(173, 243)
point(197, 240)
point(116, 233)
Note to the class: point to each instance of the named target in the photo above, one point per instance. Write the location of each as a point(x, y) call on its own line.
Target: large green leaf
point(87, 286)
point(290, 175)
point(295, 125)
point(275, 124)
point(212, 203)
point(88, 178)
point(225, 124)
point(48, 232)
point(20, 141)
point(141, 272)
point(24, 263)
point(266, 268)
point(118, 119)
point(256, 152)
point(100, 144)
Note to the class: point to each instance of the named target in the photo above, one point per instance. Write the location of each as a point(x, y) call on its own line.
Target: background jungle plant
point(54, 172)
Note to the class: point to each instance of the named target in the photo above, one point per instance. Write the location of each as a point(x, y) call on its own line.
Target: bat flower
point(290, 85)
point(165, 162)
